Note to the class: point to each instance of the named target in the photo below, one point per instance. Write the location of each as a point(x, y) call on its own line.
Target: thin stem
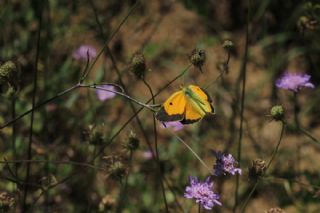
point(296, 110)
point(267, 167)
point(75, 163)
point(34, 92)
point(39, 106)
point(14, 130)
point(123, 192)
point(278, 145)
point(193, 152)
point(308, 134)
point(156, 147)
point(243, 72)
point(109, 39)
point(119, 93)
point(249, 196)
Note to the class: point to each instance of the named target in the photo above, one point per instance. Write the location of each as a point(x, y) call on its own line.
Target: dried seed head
point(257, 169)
point(132, 143)
point(198, 57)
point(107, 203)
point(307, 23)
point(277, 112)
point(6, 201)
point(275, 210)
point(138, 65)
point(228, 45)
point(117, 171)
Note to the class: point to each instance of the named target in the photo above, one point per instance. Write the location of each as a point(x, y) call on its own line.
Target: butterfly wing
point(204, 97)
point(173, 108)
point(198, 104)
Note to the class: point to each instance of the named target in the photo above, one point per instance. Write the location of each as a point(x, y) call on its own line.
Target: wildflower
point(147, 154)
point(175, 125)
point(225, 164)
point(103, 94)
point(85, 51)
point(202, 192)
point(294, 81)
point(277, 112)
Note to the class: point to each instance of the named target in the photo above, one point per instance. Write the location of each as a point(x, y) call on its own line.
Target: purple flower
point(147, 154)
point(225, 164)
point(175, 125)
point(294, 81)
point(84, 51)
point(202, 192)
point(103, 94)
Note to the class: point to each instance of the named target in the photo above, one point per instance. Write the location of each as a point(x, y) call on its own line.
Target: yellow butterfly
point(188, 105)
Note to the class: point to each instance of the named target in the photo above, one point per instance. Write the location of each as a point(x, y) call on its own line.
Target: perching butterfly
point(188, 105)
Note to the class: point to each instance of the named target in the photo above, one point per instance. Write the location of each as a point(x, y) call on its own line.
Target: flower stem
point(296, 110)
point(268, 165)
point(243, 73)
point(308, 134)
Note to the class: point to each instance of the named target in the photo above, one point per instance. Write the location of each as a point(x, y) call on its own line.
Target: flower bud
point(138, 65)
point(198, 57)
point(277, 112)
point(8, 73)
point(257, 169)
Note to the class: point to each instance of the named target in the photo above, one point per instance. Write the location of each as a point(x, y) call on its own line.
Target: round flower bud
point(198, 57)
point(257, 169)
point(228, 45)
point(138, 65)
point(277, 112)
point(7, 72)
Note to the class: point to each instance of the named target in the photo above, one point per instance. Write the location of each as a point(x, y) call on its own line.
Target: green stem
point(243, 73)
point(34, 92)
point(267, 167)
point(308, 134)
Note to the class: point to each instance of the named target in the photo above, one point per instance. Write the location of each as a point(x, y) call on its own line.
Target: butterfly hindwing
point(198, 104)
point(204, 95)
point(173, 108)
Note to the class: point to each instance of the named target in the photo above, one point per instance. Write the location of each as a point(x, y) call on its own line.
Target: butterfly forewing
point(173, 108)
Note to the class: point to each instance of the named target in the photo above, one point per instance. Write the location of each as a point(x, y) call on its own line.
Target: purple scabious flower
point(294, 81)
point(175, 125)
point(202, 192)
point(103, 94)
point(84, 51)
point(225, 164)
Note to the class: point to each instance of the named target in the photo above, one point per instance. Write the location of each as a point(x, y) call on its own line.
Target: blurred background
point(81, 161)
